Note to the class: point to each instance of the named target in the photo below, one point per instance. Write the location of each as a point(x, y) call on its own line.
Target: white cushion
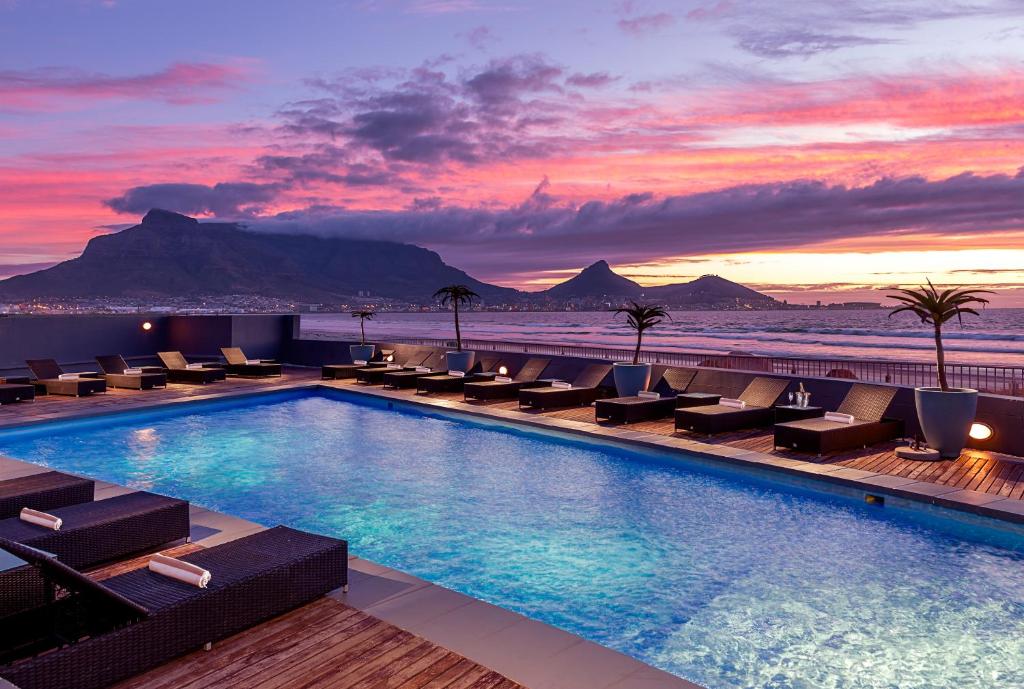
point(839, 417)
point(502, 379)
point(649, 395)
point(561, 385)
point(730, 402)
point(68, 376)
point(457, 374)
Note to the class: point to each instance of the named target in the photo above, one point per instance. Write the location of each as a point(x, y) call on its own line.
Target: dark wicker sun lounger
point(101, 632)
point(584, 390)
point(498, 390)
point(633, 409)
point(240, 365)
point(48, 373)
point(408, 379)
point(44, 491)
point(16, 389)
point(343, 371)
point(104, 530)
point(866, 403)
point(114, 367)
point(178, 370)
point(761, 395)
point(374, 375)
point(484, 369)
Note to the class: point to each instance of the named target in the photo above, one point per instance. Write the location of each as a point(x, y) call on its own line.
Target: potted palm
point(362, 351)
point(456, 296)
point(945, 413)
point(632, 377)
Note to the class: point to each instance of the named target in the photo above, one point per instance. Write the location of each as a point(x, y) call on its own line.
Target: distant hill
point(172, 255)
point(597, 280)
point(708, 290)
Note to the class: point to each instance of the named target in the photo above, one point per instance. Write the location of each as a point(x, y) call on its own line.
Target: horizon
point(808, 151)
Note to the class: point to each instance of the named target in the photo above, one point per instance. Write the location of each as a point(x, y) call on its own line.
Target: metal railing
point(998, 380)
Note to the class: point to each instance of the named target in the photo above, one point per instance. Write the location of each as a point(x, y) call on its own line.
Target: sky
point(813, 150)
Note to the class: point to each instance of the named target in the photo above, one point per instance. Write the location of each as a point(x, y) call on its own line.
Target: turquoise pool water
point(721, 578)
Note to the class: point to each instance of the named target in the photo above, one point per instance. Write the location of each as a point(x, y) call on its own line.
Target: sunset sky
point(813, 150)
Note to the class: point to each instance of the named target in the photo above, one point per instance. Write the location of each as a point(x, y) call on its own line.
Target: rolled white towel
point(561, 385)
point(839, 417)
point(502, 379)
point(193, 367)
point(649, 395)
point(359, 362)
point(180, 570)
point(422, 369)
point(457, 374)
point(68, 376)
point(132, 371)
point(43, 519)
point(394, 366)
point(730, 402)
point(251, 362)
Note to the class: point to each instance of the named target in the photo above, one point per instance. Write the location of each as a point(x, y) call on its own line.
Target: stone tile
point(887, 481)
point(926, 489)
point(521, 651)
point(15, 468)
point(366, 590)
point(106, 490)
point(413, 609)
point(212, 528)
point(586, 665)
point(970, 497)
point(1007, 505)
point(653, 678)
point(467, 624)
point(853, 474)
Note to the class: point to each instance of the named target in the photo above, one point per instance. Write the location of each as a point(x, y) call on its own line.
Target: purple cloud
point(646, 23)
point(227, 199)
point(591, 80)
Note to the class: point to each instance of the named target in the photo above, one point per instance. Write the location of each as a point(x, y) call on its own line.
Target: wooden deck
point(323, 645)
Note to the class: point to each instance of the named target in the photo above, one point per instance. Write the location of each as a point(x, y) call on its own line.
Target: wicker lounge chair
point(114, 367)
point(408, 379)
point(484, 369)
point(866, 403)
point(374, 375)
point(584, 390)
point(48, 379)
point(16, 389)
point(101, 632)
point(343, 371)
point(178, 370)
point(633, 409)
point(104, 530)
point(44, 491)
point(760, 396)
point(240, 365)
point(498, 390)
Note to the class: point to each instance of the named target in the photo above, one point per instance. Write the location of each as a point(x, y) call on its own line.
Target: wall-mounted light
point(389, 357)
point(981, 431)
point(147, 326)
point(503, 370)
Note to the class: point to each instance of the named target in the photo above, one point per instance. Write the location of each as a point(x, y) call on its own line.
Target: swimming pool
point(714, 575)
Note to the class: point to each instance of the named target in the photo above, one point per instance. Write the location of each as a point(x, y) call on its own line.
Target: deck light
point(389, 357)
point(147, 326)
point(503, 370)
point(981, 431)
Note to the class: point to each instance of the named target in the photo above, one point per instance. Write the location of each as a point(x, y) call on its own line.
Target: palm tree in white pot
point(362, 351)
point(632, 377)
point(945, 413)
point(456, 296)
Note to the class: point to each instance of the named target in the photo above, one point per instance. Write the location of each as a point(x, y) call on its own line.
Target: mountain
point(708, 290)
point(172, 255)
point(597, 280)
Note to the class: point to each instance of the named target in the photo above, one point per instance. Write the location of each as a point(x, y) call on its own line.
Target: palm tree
point(935, 308)
point(641, 317)
point(456, 295)
point(363, 316)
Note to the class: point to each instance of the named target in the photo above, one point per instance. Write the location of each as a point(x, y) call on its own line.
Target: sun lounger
point(146, 378)
point(44, 491)
point(642, 408)
point(240, 365)
point(583, 391)
point(497, 390)
point(867, 405)
point(344, 371)
point(104, 530)
point(759, 397)
point(16, 389)
point(374, 375)
point(408, 379)
point(53, 380)
point(99, 633)
point(180, 371)
point(484, 369)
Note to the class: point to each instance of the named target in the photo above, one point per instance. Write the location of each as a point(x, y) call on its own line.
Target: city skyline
point(808, 150)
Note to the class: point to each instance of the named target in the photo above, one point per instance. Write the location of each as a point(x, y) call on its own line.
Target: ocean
point(995, 338)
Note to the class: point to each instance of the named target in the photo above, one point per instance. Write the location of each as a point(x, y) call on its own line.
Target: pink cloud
point(646, 23)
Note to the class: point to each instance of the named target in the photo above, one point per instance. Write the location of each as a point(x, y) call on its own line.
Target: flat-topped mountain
point(172, 255)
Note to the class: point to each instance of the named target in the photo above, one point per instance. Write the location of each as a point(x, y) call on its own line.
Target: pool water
point(721, 578)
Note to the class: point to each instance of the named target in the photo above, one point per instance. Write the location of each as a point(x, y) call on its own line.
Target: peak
point(598, 265)
point(157, 216)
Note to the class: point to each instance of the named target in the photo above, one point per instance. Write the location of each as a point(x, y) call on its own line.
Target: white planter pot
point(946, 417)
point(631, 378)
point(361, 352)
point(460, 361)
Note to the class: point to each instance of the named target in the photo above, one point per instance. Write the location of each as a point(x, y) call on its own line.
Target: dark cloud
point(798, 42)
point(227, 199)
point(592, 80)
point(544, 234)
point(480, 37)
point(646, 23)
